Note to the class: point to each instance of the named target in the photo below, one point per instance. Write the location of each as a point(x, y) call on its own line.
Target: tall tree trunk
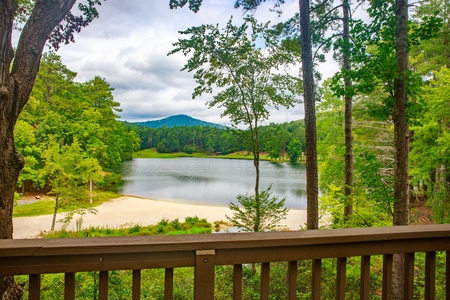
point(401, 138)
point(348, 98)
point(312, 186)
point(15, 87)
point(256, 156)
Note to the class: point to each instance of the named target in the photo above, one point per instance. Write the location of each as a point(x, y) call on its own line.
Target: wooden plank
point(34, 287)
point(365, 278)
point(168, 284)
point(237, 282)
point(265, 280)
point(204, 275)
point(341, 278)
point(292, 280)
point(409, 276)
point(103, 285)
point(136, 285)
point(147, 244)
point(387, 276)
point(430, 276)
point(69, 286)
point(316, 278)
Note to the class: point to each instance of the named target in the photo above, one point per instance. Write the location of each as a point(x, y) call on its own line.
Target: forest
point(284, 140)
point(64, 118)
point(377, 132)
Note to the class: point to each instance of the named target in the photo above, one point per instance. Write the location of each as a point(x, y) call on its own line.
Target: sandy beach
point(129, 211)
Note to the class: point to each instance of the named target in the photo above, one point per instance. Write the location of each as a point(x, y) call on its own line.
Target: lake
point(210, 181)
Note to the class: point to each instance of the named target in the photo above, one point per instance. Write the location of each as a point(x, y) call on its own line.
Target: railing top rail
point(174, 243)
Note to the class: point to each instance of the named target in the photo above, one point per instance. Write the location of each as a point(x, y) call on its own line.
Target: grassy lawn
point(47, 205)
point(152, 153)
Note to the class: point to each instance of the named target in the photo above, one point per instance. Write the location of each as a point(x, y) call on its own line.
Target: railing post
point(341, 278)
point(409, 276)
point(265, 280)
point(69, 286)
point(103, 286)
point(316, 278)
point(387, 277)
point(237, 282)
point(430, 276)
point(292, 280)
point(365, 278)
point(136, 284)
point(35, 287)
point(204, 275)
point(168, 284)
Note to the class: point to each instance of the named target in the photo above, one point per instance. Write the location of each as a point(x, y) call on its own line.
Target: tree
point(268, 209)
point(246, 76)
point(18, 69)
point(312, 185)
point(69, 170)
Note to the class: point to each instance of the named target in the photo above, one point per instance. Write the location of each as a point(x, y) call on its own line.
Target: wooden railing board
point(204, 252)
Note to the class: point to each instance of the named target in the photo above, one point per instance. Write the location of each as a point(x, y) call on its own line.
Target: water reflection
point(211, 181)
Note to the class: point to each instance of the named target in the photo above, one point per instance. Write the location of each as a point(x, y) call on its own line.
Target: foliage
point(191, 225)
point(430, 147)
point(69, 114)
point(270, 209)
point(274, 139)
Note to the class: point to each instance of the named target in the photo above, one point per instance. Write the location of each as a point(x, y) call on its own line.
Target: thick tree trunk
point(312, 187)
point(348, 189)
point(15, 88)
point(401, 138)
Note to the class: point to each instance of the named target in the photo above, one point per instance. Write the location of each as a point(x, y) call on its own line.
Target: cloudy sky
point(128, 46)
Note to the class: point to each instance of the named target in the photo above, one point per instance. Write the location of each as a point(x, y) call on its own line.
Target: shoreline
point(133, 210)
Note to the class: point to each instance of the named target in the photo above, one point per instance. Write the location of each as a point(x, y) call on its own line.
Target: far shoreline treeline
point(284, 142)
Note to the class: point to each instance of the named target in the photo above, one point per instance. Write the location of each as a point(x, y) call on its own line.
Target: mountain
point(177, 121)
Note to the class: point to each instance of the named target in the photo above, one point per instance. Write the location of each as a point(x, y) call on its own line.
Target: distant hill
point(178, 121)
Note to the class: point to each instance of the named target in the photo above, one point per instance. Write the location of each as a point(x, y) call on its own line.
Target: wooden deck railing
point(203, 252)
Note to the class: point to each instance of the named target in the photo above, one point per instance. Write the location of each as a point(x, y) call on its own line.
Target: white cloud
point(128, 46)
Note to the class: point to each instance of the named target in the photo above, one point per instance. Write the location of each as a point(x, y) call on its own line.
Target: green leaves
point(267, 209)
point(228, 61)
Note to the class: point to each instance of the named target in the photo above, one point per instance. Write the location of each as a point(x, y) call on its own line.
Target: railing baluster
point(292, 280)
point(2, 285)
point(34, 287)
point(69, 286)
point(237, 282)
point(265, 280)
point(168, 284)
point(387, 276)
point(430, 276)
point(341, 278)
point(136, 284)
point(365, 277)
point(316, 280)
point(204, 275)
point(409, 276)
point(103, 286)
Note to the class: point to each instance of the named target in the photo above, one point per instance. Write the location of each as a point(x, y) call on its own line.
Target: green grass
point(47, 205)
point(152, 153)
point(191, 225)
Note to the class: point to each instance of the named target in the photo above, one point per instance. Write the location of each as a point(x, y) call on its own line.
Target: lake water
point(209, 181)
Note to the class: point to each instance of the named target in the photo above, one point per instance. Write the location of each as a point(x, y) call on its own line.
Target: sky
point(128, 46)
